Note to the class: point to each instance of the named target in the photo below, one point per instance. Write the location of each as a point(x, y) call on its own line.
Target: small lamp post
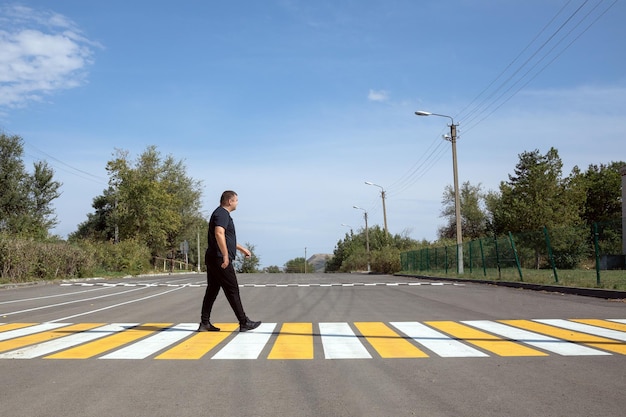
point(367, 237)
point(382, 195)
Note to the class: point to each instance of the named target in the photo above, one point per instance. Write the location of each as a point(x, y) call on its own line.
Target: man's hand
point(246, 252)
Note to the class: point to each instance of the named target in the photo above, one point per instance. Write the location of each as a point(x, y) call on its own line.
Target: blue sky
point(295, 104)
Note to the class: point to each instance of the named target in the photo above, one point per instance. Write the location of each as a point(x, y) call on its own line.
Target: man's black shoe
point(249, 325)
point(208, 327)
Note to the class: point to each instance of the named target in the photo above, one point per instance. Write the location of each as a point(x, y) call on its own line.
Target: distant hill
point(319, 261)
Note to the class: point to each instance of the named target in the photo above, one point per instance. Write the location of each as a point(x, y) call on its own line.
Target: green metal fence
point(567, 256)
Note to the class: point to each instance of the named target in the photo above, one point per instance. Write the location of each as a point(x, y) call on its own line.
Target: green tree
point(473, 214)
point(536, 196)
point(247, 265)
point(100, 226)
point(299, 266)
point(273, 269)
point(603, 186)
point(350, 253)
point(603, 204)
point(151, 200)
point(25, 199)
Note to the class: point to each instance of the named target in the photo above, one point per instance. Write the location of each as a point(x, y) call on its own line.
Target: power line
point(545, 66)
point(459, 116)
point(68, 168)
point(488, 103)
point(485, 107)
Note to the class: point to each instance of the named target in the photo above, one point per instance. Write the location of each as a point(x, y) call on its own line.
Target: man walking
point(219, 258)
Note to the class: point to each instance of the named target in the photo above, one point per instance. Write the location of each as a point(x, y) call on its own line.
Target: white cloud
point(40, 53)
point(380, 95)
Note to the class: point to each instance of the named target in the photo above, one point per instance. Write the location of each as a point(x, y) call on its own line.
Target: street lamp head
point(422, 113)
point(357, 207)
point(375, 185)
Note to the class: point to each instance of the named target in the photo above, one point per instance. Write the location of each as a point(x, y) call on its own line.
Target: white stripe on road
point(155, 343)
point(340, 342)
point(45, 348)
point(585, 328)
point(66, 303)
point(439, 343)
point(65, 294)
point(247, 345)
point(561, 347)
point(31, 330)
point(117, 305)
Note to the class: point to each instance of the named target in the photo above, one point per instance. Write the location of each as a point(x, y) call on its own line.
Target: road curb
point(586, 292)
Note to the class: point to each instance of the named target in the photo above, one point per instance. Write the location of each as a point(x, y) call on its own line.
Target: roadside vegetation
point(148, 219)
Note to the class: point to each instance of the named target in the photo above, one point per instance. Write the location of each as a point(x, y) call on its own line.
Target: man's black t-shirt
point(221, 217)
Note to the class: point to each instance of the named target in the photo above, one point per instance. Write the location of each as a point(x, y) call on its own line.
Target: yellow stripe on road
point(295, 341)
point(105, 344)
point(572, 336)
point(45, 336)
point(200, 343)
point(13, 326)
point(603, 323)
point(309, 341)
point(499, 346)
point(388, 343)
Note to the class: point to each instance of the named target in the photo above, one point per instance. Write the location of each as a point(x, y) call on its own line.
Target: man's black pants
point(217, 278)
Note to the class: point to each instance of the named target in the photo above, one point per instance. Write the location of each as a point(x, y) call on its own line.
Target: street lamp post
point(198, 249)
point(622, 172)
point(382, 194)
point(367, 237)
point(457, 198)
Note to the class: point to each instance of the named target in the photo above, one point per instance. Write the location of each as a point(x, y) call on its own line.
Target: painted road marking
point(550, 344)
point(12, 326)
point(154, 343)
point(441, 344)
point(485, 341)
point(111, 342)
point(388, 343)
point(603, 323)
point(295, 341)
point(24, 331)
point(46, 336)
point(586, 328)
point(199, 344)
point(572, 336)
point(247, 345)
point(340, 342)
point(270, 285)
point(91, 331)
point(300, 341)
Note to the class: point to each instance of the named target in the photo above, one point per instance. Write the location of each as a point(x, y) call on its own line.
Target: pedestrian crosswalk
point(309, 341)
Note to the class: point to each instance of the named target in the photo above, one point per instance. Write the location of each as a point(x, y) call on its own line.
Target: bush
point(22, 260)
point(128, 256)
point(386, 261)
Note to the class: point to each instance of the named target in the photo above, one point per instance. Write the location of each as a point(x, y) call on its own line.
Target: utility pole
point(457, 192)
point(623, 172)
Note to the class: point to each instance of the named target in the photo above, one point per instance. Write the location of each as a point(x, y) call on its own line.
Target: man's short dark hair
point(226, 196)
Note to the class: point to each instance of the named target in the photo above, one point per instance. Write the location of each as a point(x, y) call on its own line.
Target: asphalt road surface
point(329, 345)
